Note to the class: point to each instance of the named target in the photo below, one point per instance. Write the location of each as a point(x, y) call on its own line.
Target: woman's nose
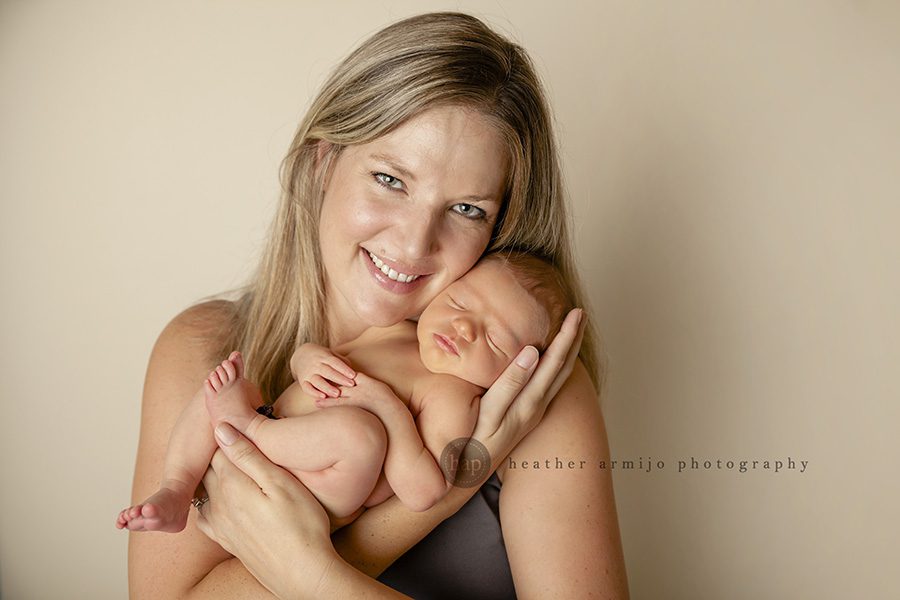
point(420, 236)
point(464, 328)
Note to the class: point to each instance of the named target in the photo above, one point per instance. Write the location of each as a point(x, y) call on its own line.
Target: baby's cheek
point(497, 369)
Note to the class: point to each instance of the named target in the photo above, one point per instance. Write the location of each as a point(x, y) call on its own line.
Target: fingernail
point(527, 357)
point(226, 433)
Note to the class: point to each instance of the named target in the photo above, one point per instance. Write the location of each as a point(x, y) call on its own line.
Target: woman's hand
point(275, 526)
point(516, 402)
point(264, 516)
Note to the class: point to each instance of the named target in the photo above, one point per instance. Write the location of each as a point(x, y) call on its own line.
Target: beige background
point(734, 169)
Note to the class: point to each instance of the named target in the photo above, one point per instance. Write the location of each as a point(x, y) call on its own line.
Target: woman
point(429, 145)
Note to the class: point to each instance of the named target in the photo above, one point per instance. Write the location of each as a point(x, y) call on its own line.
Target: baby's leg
point(191, 446)
point(336, 452)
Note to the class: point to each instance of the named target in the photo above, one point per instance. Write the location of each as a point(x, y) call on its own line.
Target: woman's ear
point(323, 161)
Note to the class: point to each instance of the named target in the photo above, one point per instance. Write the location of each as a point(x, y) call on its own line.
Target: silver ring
point(199, 502)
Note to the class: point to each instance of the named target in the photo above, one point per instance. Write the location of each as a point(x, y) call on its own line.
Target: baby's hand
point(369, 393)
point(319, 371)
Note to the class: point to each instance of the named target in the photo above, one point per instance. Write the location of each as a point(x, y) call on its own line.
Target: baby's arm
point(411, 464)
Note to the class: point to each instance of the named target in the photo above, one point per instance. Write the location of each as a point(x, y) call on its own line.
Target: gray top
point(464, 557)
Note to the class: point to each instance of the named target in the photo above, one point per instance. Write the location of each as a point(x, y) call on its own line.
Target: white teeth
point(391, 273)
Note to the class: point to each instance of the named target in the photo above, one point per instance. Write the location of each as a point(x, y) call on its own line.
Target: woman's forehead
point(444, 142)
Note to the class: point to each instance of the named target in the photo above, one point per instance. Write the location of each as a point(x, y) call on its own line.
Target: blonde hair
point(400, 71)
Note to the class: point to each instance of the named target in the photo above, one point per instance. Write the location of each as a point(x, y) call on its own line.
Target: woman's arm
point(186, 564)
point(189, 564)
point(563, 502)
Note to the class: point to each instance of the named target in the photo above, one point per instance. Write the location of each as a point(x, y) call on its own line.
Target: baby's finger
point(321, 384)
point(327, 401)
point(309, 389)
point(340, 366)
point(336, 376)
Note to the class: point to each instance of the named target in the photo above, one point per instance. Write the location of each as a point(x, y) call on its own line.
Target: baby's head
point(480, 322)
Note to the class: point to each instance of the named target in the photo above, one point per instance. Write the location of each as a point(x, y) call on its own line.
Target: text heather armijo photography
point(689, 464)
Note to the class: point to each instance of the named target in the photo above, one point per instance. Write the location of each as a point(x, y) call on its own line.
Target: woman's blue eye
point(470, 211)
point(388, 181)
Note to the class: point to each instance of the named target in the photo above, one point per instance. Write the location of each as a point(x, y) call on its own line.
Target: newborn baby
point(355, 437)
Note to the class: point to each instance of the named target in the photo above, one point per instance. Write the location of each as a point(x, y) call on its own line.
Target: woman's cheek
point(468, 245)
point(368, 212)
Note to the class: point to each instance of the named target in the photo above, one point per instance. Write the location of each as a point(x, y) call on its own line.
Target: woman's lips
point(446, 344)
point(386, 282)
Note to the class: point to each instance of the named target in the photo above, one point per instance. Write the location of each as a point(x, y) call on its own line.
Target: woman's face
point(406, 215)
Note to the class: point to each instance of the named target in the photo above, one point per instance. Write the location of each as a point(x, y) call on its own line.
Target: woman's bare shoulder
point(201, 323)
point(185, 350)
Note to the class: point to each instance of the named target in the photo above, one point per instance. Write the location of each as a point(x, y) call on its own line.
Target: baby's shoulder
point(430, 387)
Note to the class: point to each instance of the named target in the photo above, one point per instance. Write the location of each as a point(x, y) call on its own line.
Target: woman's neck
point(342, 328)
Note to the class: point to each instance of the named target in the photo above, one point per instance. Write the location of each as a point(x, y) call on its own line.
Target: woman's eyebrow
point(478, 198)
point(395, 165)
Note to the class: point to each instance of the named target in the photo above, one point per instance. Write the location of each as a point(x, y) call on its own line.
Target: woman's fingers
point(239, 474)
point(528, 390)
point(239, 452)
point(552, 368)
point(569, 364)
point(504, 390)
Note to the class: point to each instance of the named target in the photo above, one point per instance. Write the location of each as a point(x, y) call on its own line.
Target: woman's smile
point(387, 267)
point(390, 279)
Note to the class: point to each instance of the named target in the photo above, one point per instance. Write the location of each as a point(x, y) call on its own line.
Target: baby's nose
point(464, 328)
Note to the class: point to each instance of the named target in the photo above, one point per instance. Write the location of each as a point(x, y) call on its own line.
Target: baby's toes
point(238, 360)
point(230, 370)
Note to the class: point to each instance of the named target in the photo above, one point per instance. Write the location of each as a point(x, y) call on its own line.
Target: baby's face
point(478, 324)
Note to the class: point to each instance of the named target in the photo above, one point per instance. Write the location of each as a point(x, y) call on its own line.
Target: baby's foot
point(231, 398)
point(166, 510)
